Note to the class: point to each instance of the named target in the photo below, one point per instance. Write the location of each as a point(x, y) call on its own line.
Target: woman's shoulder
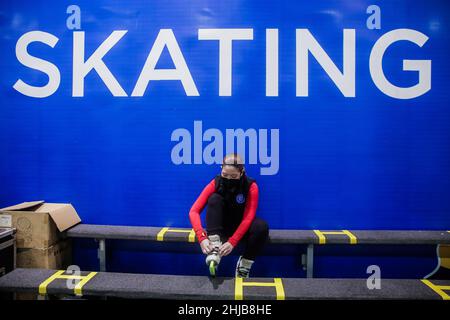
point(212, 181)
point(215, 179)
point(251, 181)
point(254, 185)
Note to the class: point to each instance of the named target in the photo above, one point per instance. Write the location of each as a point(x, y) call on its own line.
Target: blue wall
point(365, 162)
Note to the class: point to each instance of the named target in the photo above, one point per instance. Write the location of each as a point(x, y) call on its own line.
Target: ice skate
point(243, 267)
point(213, 258)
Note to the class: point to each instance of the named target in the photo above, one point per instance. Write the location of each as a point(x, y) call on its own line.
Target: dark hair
point(233, 159)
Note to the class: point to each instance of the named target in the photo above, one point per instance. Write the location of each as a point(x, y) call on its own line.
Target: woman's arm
point(249, 215)
point(197, 208)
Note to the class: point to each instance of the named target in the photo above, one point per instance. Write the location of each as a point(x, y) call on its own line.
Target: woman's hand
point(225, 249)
point(206, 246)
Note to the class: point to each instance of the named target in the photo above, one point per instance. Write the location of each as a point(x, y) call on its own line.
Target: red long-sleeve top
point(249, 213)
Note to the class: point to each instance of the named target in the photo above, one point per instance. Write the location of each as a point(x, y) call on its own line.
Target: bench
point(129, 285)
point(276, 236)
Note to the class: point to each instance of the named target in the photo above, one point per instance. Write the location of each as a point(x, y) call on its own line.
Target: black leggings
point(220, 221)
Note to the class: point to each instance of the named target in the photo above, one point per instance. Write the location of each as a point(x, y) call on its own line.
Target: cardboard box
point(58, 256)
point(39, 224)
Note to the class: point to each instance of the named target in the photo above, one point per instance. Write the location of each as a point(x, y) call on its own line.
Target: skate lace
point(215, 250)
point(243, 272)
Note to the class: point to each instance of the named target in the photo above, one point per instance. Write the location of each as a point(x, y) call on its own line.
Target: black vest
point(235, 201)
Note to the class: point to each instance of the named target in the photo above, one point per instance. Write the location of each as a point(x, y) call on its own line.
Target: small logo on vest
point(240, 198)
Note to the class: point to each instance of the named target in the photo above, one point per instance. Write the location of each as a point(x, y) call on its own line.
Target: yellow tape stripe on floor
point(438, 289)
point(80, 284)
point(163, 231)
point(351, 236)
point(239, 287)
point(60, 275)
point(323, 239)
point(43, 285)
point(160, 236)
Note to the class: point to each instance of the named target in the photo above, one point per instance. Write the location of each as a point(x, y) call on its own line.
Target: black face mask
point(230, 185)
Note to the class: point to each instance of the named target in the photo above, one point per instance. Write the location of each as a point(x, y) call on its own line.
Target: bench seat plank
point(276, 236)
point(128, 285)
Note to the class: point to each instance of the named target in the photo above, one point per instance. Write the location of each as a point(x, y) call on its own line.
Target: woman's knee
point(260, 226)
point(215, 200)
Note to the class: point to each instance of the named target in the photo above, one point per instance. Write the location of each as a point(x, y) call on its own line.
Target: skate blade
point(212, 269)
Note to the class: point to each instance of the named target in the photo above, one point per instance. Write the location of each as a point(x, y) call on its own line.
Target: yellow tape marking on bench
point(83, 281)
point(160, 236)
point(60, 275)
point(438, 289)
point(239, 287)
point(323, 239)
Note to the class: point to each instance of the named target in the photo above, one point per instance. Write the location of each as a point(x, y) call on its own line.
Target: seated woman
point(232, 200)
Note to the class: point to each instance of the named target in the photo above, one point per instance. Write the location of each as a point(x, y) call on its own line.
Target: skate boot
point(213, 258)
point(243, 267)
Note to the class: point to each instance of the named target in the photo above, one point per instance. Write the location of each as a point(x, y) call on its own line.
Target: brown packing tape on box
point(58, 256)
point(26, 296)
point(39, 224)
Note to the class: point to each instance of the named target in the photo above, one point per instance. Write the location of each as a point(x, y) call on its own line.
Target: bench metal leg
point(102, 254)
point(102, 257)
point(310, 261)
point(15, 252)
